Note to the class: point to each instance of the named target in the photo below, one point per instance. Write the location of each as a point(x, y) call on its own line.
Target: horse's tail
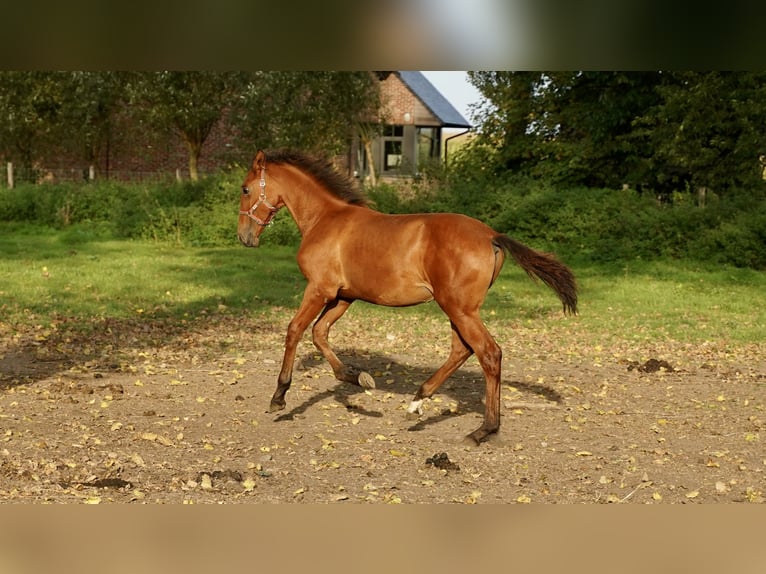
point(543, 266)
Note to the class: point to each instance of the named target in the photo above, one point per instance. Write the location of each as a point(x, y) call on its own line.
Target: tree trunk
point(370, 161)
point(194, 152)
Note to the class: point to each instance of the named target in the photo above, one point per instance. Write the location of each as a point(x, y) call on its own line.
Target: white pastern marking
point(416, 406)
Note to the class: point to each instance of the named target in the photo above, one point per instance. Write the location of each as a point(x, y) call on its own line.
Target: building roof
point(433, 100)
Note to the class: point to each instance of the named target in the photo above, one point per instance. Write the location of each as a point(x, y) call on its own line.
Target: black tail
point(543, 266)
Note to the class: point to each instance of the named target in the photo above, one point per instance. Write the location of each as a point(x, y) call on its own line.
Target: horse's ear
point(260, 161)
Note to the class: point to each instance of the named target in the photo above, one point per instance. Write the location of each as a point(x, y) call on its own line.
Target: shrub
point(600, 225)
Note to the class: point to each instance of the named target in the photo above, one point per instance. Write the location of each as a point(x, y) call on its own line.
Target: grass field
point(50, 274)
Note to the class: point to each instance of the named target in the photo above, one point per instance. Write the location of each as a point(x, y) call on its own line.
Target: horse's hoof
point(478, 436)
point(471, 440)
point(365, 380)
point(276, 406)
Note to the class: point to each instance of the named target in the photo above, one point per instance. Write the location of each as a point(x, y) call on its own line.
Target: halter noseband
point(261, 201)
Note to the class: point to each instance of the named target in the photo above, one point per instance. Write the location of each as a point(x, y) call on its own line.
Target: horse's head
point(256, 208)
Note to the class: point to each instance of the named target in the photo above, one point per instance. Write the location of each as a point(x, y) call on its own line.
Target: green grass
point(642, 301)
point(46, 274)
point(81, 274)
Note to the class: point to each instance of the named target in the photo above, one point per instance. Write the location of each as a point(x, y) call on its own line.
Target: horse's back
point(413, 258)
point(407, 259)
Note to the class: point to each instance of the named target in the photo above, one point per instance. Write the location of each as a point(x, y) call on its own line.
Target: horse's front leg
point(348, 374)
point(309, 308)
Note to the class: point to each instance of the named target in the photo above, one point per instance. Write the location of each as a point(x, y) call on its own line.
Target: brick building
point(416, 114)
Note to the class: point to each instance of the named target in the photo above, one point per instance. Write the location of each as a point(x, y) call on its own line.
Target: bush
point(599, 225)
point(201, 213)
point(604, 225)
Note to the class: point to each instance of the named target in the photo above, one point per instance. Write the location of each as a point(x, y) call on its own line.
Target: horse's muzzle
point(249, 239)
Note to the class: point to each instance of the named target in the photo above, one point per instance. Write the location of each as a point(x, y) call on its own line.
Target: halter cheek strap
point(261, 201)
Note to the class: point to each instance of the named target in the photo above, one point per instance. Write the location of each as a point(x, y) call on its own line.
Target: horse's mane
point(321, 169)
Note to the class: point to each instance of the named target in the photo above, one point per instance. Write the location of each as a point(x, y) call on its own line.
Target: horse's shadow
point(465, 387)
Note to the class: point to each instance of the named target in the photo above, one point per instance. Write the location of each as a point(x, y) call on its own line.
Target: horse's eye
point(245, 190)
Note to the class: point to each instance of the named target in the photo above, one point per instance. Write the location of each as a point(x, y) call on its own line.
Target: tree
point(706, 131)
point(509, 118)
point(591, 116)
point(664, 131)
point(90, 102)
point(190, 103)
point(30, 104)
point(313, 111)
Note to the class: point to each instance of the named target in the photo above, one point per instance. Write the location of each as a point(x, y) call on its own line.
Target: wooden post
point(91, 172)
point(10, 175)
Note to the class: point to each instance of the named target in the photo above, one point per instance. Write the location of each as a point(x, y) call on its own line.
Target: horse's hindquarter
point(397, 260)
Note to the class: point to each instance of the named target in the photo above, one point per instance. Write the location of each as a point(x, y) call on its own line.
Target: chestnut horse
point(349, 251)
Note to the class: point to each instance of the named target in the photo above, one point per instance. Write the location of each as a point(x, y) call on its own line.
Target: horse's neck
point(307, 201)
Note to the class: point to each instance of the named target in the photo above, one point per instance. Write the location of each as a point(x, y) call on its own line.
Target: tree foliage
point(90, 103)
point(313, 111)
point(49, 113)
point(190, 103)
point(30, 106)
point(666, 131)
point(707, 129)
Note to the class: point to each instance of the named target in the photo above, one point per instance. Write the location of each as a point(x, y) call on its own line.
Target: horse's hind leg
point(490, 357)
point(333, 311)
point(459, 353)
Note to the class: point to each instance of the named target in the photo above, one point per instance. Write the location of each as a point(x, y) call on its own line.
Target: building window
point(393, 143)
point(428, 144)
point(392, 158)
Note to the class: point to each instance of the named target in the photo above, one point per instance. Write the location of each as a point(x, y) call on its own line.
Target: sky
point(456, 88)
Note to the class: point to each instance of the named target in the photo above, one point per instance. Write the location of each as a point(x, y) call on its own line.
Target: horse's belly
point(401, 296)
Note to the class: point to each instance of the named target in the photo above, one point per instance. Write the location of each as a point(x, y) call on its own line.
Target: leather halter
point(261, 201)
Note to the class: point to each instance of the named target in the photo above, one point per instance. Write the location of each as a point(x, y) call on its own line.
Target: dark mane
point(321, 169)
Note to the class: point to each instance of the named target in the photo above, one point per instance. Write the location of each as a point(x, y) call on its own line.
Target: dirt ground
point(145, 411)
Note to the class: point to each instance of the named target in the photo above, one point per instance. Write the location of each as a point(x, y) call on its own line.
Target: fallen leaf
point(163, 440)
point(472, 498)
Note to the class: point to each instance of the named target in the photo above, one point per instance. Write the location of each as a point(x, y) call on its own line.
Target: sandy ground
point(146, 412)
